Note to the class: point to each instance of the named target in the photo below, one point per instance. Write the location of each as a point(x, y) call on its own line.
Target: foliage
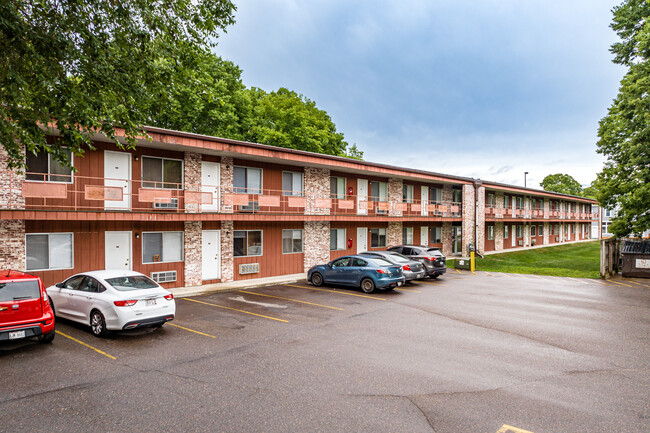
point(562, 183)
point(624, 134)
point(85, 66)
point(591, 191)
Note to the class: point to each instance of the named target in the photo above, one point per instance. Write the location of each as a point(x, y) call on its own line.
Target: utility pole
point(525, 173)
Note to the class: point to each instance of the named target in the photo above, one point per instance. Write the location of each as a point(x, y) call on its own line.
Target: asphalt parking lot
point(484, 352)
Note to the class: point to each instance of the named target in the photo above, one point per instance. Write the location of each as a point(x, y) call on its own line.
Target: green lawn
point(573, 260)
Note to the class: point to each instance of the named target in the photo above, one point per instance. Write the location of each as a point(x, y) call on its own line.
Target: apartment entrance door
point(456, 240)
point(117, 250)
point(117, 174)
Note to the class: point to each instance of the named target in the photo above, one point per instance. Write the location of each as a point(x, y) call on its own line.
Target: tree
point(591, 191)
point(624, 133)
point(85, 66)
point(562, 183)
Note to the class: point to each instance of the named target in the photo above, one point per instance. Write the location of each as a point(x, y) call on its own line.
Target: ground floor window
point(435, 235)
point(490, 233)
point(520, 231)
point(247, 243)
point(506, 231)
point(337, 239)
point(48, 251)
point(291, 241)
point(377, 238)
point(162, 247)
point(533, 230)
point(407, 235)
point(540, 231)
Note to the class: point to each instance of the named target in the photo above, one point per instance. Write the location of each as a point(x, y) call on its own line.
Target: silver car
point(412, 269)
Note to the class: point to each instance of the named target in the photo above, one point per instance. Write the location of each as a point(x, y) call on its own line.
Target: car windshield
point(380, 261)
point(19, 290)
point(434, 252)
point(135, 282)
point(400, 258)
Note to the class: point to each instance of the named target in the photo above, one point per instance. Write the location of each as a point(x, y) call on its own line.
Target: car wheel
point(98, 324)
point(47, 338)
point(367, 285)
point(317, 279)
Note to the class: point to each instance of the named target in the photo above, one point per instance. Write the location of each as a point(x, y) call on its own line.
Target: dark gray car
point(432, 258)
point(412, 269)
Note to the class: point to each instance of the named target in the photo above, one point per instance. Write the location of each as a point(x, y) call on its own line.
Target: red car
point(25, 310)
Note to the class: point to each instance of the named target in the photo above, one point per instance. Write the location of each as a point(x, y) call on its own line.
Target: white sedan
point(112, 300)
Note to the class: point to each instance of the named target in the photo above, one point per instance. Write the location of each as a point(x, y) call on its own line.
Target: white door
point(362, 239)
point(210, 181)
point(424, 235)
point(117, 173)
point(513, 235)
point(424, 200)
point(362, 195)
point(117, 250)
point(211, 253)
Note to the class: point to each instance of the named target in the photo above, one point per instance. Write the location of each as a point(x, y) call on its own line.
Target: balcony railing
point(85, 193)
point(493, 211)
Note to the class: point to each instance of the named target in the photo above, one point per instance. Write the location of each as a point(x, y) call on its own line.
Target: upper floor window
point(435, 195)
point(337, 187)
point(533, 203)
point(456, 195)
point(520, 202)
point(506, 201)
point(45, 168)
point(379, 191)
point(247, 180)
point(407, 194)
point(491, 200)
point(162, 173)
point(292, 183)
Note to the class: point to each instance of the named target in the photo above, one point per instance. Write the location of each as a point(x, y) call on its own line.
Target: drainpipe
point(477, 184)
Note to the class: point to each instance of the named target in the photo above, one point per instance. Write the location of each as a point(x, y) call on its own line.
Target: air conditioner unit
point(520, 243)
point(557, 238)
point(173, 204)
point(249, 268)
point(252, 206)
point(163, 277)
point(534, 241)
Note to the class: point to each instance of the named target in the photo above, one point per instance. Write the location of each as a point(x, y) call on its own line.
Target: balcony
point(496, 212)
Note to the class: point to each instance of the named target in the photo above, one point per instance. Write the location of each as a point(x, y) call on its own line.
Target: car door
point(63, 297)
point(85, 298)
point(334, 274)
point(356, 271)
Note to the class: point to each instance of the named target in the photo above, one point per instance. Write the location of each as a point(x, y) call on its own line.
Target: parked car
point(432, 258)
point(112, 300)
point(24, 308)
point(368, 273)
point(412, 269)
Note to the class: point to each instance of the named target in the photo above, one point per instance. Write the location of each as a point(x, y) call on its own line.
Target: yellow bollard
point(472, 261)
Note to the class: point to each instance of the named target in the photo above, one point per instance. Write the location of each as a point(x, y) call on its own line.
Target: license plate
point(16, 335)
point(150, 302)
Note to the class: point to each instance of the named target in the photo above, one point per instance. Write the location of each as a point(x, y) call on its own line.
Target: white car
point(112, 300)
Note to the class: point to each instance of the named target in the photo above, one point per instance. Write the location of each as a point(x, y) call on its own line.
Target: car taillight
point(129, 303)
point(44, 295)
point(380, 271)
point(431, 259)
point(169, 297)
point(406, 268)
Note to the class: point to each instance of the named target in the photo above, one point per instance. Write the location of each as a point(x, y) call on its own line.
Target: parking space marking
point(458, 271)
point(510, 429)
point(616, 282)
point(289, 299)
point(488, 273)
point(235, 309)
point(432, 283)
point(334, 291)
point(634, 282)
point(190, 330)
point(409, 290)
point(85, 345)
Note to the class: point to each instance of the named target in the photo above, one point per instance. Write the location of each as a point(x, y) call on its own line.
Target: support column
point(480, 221)
point(395, 195)
point(526, 235)
point(547, 208)
point(192, 255)
point(192, 177)
point(499, 204)
point(227, 174)
point(447, 193)
point(394, 233)
point(227, 261)
point(446, 238)
point(498, 236)
point(316, 243)
point(547, 234)
point(317, 187)
point(12, 244)
point(10, 186)
point(468, 217)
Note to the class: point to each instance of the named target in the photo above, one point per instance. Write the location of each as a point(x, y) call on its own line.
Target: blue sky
point(481, 88)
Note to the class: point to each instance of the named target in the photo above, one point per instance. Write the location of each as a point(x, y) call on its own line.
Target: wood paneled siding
point(89, 247)
point(272, 261)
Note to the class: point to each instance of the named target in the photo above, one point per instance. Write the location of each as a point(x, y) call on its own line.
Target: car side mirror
point(329, 265)
point(59, 285)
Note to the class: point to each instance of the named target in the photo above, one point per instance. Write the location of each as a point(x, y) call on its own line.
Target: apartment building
point(188, 210)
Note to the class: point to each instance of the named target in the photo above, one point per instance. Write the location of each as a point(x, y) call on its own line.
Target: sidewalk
point(181, 292)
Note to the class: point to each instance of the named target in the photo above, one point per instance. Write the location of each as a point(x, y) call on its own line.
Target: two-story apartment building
point(188, 210)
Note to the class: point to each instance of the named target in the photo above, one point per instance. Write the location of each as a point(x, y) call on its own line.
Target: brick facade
point(10, 185)
point(227, 175)
point(317, 186)
point(498, 235)
point(480, 223)
point(446, 238)
point(227, 260)
point(547, 235)
point(447, 194)
point(12, 244)
point(468, 217)
point(193, 253)
point(394, 233)
point(395, 194)
point(192, 176)
point(316, 243)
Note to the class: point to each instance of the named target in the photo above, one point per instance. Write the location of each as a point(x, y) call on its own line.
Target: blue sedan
point(369, 273)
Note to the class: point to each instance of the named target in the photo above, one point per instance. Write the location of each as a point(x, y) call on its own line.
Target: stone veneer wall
point(498, 236)
point(395, 195)
point(316, 243)
point(480, 242)
point(526, 235)
point(547, 235)
point(317, 186)
point(446, 238)
point(468, 217)
point(227, 174)
point(447, 194)
point(547, 208)
point(192, 176)
point(10, 185)
point(12, 244)
point(394, 233)
point(193, 253)
point(227, 260)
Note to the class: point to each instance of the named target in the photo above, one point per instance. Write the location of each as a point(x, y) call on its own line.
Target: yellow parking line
point(488, 273)
point(85, 345)
point(508, 428)
point(289, 299)
point(340, 293)
point(432, 283)
point(639, 284)
point(616, 282)
point(409, 290)
point(235, 309)
point(191, 330)
point(505, 274)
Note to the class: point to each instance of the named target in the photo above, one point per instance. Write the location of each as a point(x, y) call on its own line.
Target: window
point(490, 233)
point(45, 168)
point(162, 247)
point(407, 194)
point(407, 235)
point(506, 231)
point(292, 183)
point(342, 262)
point(456, 195)
point(162, 173)
point(47, 251)
point(378, 191)
point(435, 195)
point(337, 239)
point(337, 187)
point(556, 229)
point(247, 180)
point(358, 262)
point(520, 231)
point(247, 243)
point(520, 202)
point(533, 203)
point(540, 231)
point(435, 235)
point(291, 241)
point(573, 228)
point(377, 238)
point(533, 230)
point(506, 201)
point(492, 202)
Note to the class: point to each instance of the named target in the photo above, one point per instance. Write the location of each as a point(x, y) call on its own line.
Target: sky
point(487, 89)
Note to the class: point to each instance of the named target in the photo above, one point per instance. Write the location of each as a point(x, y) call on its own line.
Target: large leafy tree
point(87, 65)
point(624, 134)
point(562, 183)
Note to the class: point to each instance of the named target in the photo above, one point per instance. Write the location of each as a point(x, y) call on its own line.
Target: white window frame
point(293, 193)
point(540, 230)
point(261, 242)
point(46, 176)
point(408, 191)
point(261, 190)
point(519, 229)
point(49, 250)
point(379, 197)
point(379, 237)
point(491, 199)
point(338, 247)
point(143, 181)
point(302, 241)
point(506, 231)
point(409, 230)
point(163, 246)
point(338, 195)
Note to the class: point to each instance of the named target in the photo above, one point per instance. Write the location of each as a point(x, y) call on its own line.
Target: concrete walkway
point(181, 292)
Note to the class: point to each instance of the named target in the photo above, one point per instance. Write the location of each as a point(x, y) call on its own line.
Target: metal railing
point(497, 212)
